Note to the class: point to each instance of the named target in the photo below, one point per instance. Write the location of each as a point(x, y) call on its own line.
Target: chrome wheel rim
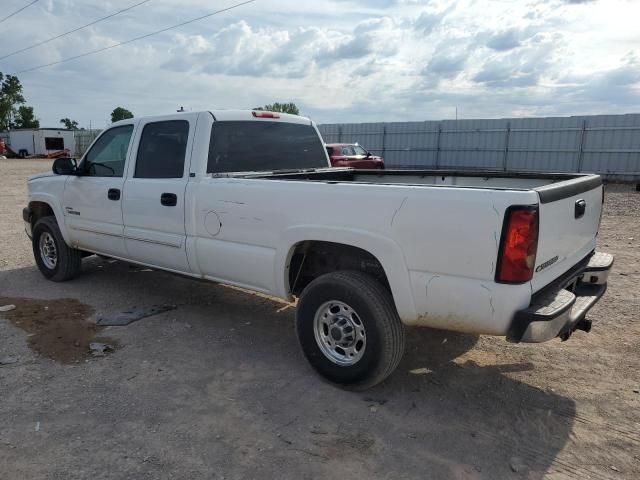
point(48, 250)
point(339, 333)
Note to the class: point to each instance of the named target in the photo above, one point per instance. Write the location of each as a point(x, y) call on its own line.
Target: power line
point(75, 57)
point(72, 31)
point(17, 11)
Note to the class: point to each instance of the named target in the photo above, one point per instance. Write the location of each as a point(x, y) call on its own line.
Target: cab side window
point(347, 151)
point(162, 150)
point(109, 154)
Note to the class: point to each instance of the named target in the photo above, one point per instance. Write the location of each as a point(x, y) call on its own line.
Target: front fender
point(56, 206)
point(384, 249)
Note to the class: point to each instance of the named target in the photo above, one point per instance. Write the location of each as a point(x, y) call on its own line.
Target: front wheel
point(349, 329)
point(55, 259)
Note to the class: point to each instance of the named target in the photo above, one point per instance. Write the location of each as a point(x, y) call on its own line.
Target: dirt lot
point(217, 388)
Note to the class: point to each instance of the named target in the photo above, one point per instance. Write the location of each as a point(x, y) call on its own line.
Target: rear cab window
point(262, 146)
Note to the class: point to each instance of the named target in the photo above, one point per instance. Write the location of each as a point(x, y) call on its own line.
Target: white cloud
point(242, 50)
point(340, 60)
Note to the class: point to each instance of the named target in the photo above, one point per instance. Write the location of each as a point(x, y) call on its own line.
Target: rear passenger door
point(153, 205)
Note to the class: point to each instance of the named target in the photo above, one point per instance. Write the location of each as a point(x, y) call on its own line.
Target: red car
point(352, 155)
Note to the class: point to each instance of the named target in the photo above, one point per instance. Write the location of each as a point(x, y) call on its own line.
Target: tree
point(10, 98)
point(120, 113)
point(281, 107)
point(69, 124)
point(25, 118)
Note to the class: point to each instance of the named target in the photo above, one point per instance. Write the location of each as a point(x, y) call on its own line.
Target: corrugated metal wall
point(84, 138)
point(604, 144)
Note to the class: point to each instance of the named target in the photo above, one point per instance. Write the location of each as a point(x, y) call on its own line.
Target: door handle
point(580, 208)
point(113, 194)
point(169, 199)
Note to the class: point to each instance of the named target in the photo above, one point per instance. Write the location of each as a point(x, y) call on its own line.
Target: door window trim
point(186, 161)
point(84, 159)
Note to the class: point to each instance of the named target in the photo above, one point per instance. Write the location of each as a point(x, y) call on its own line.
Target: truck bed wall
point(431, 177)
point(447, 236)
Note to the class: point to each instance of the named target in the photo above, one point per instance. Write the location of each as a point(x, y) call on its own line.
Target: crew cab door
point(154, 193)
point(92, 200)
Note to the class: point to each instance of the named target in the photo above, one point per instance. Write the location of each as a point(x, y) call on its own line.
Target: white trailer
point(41, 141)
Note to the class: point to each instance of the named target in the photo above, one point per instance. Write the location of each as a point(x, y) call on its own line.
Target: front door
point(92, 200)
point(154, 193)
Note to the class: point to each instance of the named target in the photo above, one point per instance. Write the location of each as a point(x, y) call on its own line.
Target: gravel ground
point(217, 388)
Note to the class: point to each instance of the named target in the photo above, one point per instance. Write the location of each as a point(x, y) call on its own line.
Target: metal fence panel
point(612, 146)
point(84, 138)
point(411, 144)
point(544, 144)
point(604, 144)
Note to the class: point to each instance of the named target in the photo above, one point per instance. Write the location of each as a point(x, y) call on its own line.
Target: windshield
point(359, 150)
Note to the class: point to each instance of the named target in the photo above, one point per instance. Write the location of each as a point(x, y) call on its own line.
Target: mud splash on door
point(58, 329)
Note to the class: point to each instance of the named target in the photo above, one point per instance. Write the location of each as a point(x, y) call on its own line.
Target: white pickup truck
point(246, 198)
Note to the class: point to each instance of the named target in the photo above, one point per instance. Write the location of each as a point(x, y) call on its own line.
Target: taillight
point(518, 246)
point(263, 114)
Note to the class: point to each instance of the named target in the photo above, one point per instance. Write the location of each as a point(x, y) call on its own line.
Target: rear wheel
point(349, 329)
point(55, 259)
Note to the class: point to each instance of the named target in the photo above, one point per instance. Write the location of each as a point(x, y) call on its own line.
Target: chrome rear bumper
point(559, 310)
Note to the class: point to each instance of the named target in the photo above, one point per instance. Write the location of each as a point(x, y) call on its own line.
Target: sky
point(338, 60)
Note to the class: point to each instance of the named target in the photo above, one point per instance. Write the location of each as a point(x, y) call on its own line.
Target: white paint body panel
point(155, 233)
point(565, 236)
point(438, 243)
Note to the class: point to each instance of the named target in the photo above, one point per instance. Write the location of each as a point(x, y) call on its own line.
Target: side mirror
point(65, 166)
point(368, 154)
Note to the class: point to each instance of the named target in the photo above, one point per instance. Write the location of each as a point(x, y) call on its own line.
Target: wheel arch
point(310, 259)
point(43, 205)
point(369, 246)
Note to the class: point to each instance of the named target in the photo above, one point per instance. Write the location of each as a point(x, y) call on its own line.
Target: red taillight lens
point(263, 114)
point(517, 256)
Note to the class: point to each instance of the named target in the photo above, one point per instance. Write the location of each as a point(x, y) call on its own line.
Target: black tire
point(373, 305)
point(68, 260)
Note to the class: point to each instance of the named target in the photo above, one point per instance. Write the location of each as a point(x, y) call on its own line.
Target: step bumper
point(560, 310)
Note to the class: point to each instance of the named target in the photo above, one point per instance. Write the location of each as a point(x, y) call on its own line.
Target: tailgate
point(569, 221)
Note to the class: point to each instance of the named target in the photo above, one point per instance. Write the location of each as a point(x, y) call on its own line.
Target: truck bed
point(566, 237)
point(550, 186)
